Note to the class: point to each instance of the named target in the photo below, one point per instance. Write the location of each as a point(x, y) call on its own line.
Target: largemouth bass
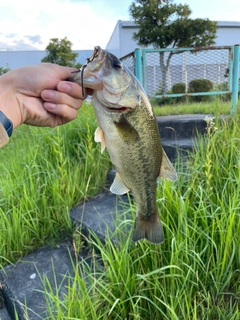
point(129, 131)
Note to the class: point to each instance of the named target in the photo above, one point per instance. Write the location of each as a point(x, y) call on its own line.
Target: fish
point(128, 129)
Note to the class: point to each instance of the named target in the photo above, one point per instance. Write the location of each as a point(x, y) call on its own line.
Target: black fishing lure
point(93, 56)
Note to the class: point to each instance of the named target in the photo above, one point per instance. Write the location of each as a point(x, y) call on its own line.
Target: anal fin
point(118, 186)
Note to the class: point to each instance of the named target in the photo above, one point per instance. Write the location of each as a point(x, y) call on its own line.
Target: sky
point(30, 24)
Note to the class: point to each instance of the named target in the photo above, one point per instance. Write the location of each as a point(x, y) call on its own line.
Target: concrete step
point(22, 283)
point(182, 126)
point(4, 315)
point(178, 133)
point(103, 214)
point(175, 148)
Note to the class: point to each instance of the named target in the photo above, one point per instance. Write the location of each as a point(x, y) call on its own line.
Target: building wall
point(127, 44)
point(113, 45)
point(121, 42)
point(184, 67)
point(16, 59)
point(228, 33)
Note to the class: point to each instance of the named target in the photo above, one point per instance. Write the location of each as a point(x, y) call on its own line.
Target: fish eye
point(116, 64)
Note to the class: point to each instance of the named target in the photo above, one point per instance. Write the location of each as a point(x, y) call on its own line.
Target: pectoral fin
point(118, 186)
point(126, 131)
point(99, 136)
point(167, 170)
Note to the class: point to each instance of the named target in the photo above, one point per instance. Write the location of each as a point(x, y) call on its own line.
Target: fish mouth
point(93, 56)
point(120, 109)
point(114, 108)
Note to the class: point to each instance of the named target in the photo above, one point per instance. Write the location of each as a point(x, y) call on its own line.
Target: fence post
point(138, 65)
point(236, 57)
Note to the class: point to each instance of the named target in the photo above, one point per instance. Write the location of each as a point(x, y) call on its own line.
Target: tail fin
point(148, 229)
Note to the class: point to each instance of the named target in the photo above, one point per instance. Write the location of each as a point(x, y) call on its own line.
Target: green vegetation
point(200, 85)
point(195, 274)
point(163, 24)
point(45, 172)
point(179, 87)
point(4, 69)
point(216, 108)
point(59, 51)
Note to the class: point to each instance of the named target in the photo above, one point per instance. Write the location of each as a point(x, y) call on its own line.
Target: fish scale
point(129, 131)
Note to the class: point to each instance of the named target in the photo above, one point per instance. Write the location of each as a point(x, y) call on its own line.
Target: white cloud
point(216, 10)
point(28, 24)
point(84, 23)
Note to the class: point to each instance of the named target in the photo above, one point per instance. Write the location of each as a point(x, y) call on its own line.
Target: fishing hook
point(93, 56)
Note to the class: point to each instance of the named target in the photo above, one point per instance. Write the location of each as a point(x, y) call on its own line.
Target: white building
point(120, 44)
point(184, 67)
point(16, 59)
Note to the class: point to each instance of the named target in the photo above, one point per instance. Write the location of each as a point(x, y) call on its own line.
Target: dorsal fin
point(167, 170)
point(99, 136)
point(118, 186)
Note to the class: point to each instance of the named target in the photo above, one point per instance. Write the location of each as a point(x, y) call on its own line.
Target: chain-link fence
point(184, 67)
point(164, 68)
point(129, 62)
point(177, 72)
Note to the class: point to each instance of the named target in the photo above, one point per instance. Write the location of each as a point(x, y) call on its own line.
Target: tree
point(163, 24)
point(60, 52)
point(4, 69)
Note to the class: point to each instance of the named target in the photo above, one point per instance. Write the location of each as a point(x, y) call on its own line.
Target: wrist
point(6, 123)
point(6, 128)
point(8, 99)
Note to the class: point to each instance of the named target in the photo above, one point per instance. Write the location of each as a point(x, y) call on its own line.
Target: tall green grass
point(43, 173)
point(195, 274)
point(217, 107)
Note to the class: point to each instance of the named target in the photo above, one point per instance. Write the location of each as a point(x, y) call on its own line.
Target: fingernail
point(50, 106)
point(48, 94)
point(65, 87)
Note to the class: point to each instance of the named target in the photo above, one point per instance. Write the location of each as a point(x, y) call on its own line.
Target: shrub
point(179, 87)
point(200, 85)
point(163, 101)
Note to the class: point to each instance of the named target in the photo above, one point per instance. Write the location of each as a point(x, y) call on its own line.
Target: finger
point(74, 89)
point(71, 88)
point(64, 111)
point(56, 97)
point(66, 72)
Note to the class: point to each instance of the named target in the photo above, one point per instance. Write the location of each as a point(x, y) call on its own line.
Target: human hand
point(39, 95)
